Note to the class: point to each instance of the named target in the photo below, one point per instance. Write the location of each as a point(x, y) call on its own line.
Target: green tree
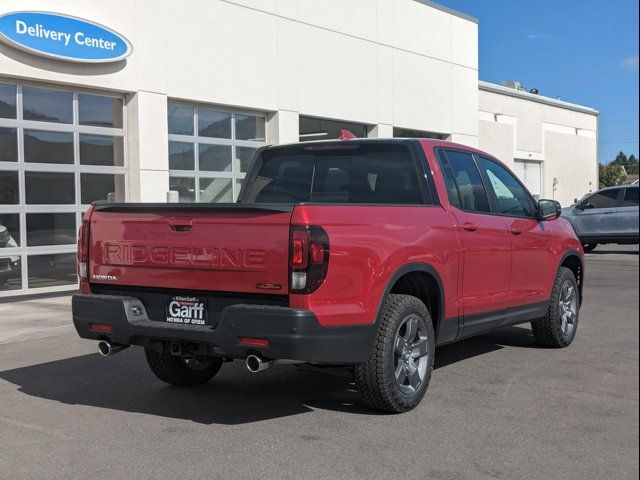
point(632, 166)
point(621, 159)
point(612, 175)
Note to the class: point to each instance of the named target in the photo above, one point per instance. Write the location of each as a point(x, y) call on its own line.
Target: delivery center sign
point(63, 37)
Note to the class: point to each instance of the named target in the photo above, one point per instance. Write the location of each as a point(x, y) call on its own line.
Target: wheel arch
point(420, 280)
point(573, 261)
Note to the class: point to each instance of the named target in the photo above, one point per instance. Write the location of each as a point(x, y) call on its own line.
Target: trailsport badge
point(187, 310)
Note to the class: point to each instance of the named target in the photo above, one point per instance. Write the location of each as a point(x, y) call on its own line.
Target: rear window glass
point(374, 174)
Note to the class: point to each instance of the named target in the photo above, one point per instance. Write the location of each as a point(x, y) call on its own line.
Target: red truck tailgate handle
point(470, 227)
point(180, 225)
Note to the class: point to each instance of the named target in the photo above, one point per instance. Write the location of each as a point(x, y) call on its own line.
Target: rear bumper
point(292, 334)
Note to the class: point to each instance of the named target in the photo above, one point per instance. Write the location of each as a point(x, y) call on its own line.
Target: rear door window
point(449, 180)
point(459, 168)
point(510, 196)
point(366, 174)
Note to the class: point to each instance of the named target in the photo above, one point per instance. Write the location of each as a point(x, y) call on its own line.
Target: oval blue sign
point(63, 37)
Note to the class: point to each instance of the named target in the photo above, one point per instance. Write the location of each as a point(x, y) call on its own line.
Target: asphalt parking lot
point(498, 406)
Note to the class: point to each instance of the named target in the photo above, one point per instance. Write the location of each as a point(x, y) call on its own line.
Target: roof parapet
point(512, 92)
point(451, 11)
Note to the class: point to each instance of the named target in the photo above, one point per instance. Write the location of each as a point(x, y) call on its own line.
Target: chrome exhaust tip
point(106, 349)
point(255, 364)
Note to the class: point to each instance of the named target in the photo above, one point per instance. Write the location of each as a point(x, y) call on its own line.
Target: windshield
point(370, 174)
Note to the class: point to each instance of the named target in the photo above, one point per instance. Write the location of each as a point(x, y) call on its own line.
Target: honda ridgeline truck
point(362, 253)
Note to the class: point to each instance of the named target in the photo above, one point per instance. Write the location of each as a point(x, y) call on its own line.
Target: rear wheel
point(181, 371)
point(558, 328)
point(397, 374)
point(589, 247)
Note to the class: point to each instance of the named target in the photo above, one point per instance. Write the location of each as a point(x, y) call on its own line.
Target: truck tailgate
point(226, 248)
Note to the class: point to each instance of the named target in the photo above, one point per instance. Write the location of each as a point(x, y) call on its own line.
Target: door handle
point(608, 213)
point(470, 227)
point(516, 231)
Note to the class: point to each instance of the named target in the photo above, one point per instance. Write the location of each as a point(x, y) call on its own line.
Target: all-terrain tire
point(376, 378)
point(548, 330)
point(176, 371)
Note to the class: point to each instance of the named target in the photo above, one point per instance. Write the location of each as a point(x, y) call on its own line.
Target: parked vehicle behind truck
point(8, 265)
point(610, 215)
point(365, 253)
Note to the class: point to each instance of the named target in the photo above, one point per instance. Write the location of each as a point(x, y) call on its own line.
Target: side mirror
point(549, 210)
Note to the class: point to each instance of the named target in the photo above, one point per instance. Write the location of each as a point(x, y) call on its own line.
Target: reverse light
point(298, 280)
point(309, 258)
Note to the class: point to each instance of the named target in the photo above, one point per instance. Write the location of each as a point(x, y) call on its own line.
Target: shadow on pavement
point(234, 397)
point(615, 252)
point(518, 337)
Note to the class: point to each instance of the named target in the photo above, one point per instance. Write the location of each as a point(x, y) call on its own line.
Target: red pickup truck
point(362, 253)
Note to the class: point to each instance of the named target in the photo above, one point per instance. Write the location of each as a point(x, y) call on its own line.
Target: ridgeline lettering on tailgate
point(121, 254)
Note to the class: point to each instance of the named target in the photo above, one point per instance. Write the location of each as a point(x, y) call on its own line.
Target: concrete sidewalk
point(35, 318)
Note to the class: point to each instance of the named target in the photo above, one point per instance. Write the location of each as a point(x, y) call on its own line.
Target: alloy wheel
point(411, 354)
point(568, 308)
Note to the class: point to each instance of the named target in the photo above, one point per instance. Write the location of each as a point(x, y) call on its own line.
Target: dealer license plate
point(187, 310)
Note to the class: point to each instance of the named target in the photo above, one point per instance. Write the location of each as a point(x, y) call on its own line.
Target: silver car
point(607, 216)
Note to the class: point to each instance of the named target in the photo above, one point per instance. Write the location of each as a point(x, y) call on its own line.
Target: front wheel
point(558, 327)
point(182, 371)
point(397, 374)
point(589, 247)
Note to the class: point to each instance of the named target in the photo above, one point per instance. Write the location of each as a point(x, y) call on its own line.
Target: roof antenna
point(347, 135)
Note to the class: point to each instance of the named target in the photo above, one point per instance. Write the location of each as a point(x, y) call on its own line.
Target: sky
point(583, 51)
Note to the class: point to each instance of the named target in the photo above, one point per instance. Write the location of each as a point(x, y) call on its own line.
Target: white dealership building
point(148, 96)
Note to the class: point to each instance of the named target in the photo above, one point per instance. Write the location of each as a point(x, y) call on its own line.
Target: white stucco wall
point(562, 136)
point(384, 63)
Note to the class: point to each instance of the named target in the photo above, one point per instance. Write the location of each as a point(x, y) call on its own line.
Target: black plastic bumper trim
point(292, 334)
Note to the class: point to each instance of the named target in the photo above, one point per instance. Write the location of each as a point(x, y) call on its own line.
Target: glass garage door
point(210, 150)
point(60, 150)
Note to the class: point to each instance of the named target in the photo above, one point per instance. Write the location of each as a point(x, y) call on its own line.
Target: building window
point(407, 133)
point(210, 150)
point(314, 129)
point(59, 151)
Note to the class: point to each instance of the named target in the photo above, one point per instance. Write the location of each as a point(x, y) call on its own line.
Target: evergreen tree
point(621, 159)
point(611, 175)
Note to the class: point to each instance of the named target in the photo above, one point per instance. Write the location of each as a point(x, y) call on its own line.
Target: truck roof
point(425, 142)
point(434, 142)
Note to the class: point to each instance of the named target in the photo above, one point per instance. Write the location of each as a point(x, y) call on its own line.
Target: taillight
point(309, 258)
point(83, 251)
